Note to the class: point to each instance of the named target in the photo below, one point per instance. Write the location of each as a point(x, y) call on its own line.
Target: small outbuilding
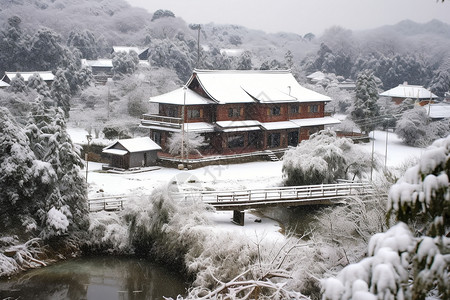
point(415, 92)
point(133, 153)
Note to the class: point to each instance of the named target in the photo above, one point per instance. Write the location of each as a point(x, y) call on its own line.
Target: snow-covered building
point(239, 111)
point(142, 52)
point(316, 77)
point(47, 76)
point(404, 91)
point(133, 153)
point(98, 66)
point(438, 111)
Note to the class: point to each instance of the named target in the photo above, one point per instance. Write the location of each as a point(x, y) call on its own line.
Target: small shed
point(133, 153)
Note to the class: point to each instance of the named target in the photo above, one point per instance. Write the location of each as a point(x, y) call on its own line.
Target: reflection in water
point(96, 278)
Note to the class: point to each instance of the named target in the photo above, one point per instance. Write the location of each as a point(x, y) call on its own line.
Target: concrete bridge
point(241, 200)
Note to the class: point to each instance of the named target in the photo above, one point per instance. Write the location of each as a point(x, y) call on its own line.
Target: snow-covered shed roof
point(98, 63)
point(266, 86)
point(3, 84)
point(177, 97)
point(409, 91)
point(316, 76)
point(45, 75)
point(138, 50)
point(438, 110)
point(133, 145)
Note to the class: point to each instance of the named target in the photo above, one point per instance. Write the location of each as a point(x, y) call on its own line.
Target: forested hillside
point(417, 53)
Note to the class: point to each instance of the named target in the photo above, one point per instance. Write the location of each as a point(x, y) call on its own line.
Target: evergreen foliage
point(400, 264)
point(365, 108)
point(60, 91)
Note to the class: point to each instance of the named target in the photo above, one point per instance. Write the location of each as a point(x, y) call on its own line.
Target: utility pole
point(86, 154)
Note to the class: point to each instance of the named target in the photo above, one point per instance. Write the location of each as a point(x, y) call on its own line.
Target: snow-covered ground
point(226, 177)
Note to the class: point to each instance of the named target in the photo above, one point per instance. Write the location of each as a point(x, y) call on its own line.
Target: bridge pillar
point(238, 217)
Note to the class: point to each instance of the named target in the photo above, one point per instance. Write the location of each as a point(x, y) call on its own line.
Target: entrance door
point(293, 138)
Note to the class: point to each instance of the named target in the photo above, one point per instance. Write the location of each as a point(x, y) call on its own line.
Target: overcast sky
point(302, 16)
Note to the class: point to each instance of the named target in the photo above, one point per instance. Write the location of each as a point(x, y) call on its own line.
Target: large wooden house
point(239, 111)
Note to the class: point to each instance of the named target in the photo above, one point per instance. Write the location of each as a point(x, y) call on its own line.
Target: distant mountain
point(411, 28)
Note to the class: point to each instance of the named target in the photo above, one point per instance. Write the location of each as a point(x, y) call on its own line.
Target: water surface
point(97, 278)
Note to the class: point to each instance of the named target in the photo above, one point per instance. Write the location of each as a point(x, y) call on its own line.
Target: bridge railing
point(107, 203)
point(331, 191)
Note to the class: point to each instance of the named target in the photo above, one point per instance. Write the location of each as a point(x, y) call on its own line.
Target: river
point(96, 278)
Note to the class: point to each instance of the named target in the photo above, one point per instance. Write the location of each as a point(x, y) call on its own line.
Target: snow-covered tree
point(400, 264)
point(365, 107)
point(245, 61)
point(190, 142)
point(60, 91)
point(22, 179)
point(324, 158)
point(124, 63)
point(17, 84)
point(440, 83)
point(85, 42)
point(36, 83)
point(64, 205)
point(412, 127)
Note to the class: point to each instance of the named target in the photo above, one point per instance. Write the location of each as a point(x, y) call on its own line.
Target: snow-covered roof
point(45, 75)
point(316, 121)
point(254, 86)
point(99, 63)
point(177, 97)
point(115, 151)
point(233, 124)
point(136, 145)
point(191, 127)
point(409, 91)
point(438, 110)
point(280, 125)
point(317, 76)
point(238, 129)
point(3, 84)
point(198, 127)
point(127, 49)
point(231, 52)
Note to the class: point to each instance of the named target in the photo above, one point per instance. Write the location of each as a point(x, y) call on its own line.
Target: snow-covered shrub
point(324, 158)
point(401, 266)
point(411, 127)
point(190, 142)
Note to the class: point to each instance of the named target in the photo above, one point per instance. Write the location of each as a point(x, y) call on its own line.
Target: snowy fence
point(106, 203)
point(278, 196)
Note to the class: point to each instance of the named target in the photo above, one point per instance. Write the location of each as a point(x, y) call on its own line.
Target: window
point(236, 141)
point(172, 112)
point(294, 109)
point(313, 108)
point(193, 113)
point(276, 111)
point(273, 140)
point(234, 112)
point(156, 137)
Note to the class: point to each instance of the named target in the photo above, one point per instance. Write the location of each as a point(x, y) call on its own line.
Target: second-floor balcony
point(157, 120)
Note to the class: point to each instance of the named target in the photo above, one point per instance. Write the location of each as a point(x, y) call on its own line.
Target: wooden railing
point(108, 203)
point(162, 119)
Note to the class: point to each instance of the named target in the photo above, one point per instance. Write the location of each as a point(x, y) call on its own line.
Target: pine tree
point(66, 202)
point(60, 91)
point(365, 107)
